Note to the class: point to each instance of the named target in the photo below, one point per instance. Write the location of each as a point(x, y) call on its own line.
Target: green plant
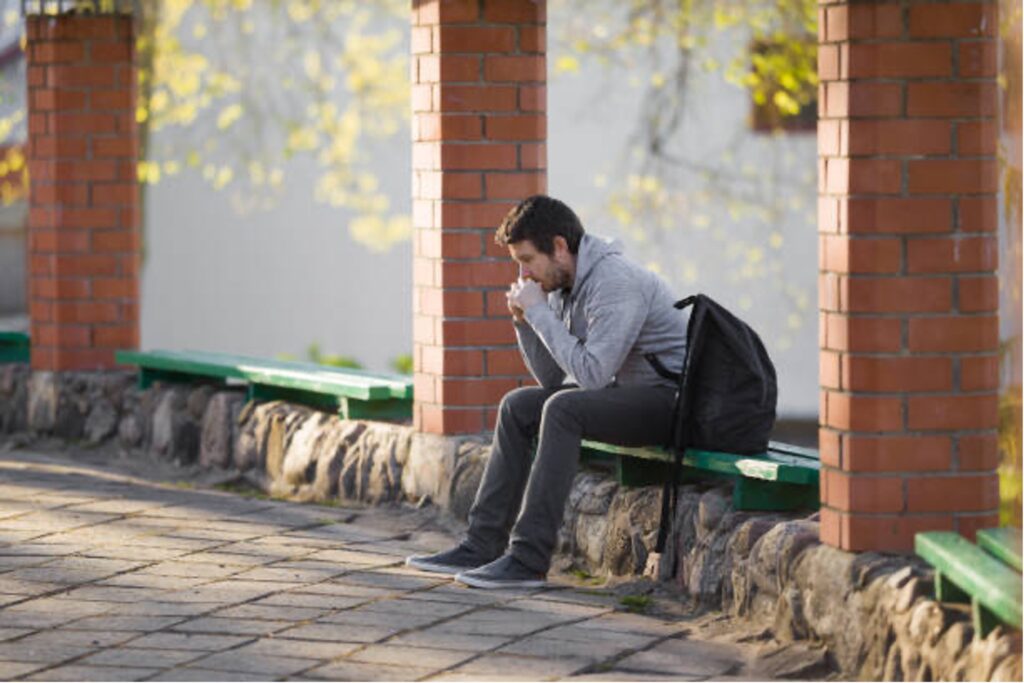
point(637, 604)
point(316, 356)
point(1010, 489)
point(402, 363)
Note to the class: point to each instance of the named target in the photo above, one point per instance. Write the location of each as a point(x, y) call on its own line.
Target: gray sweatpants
point(529, 501)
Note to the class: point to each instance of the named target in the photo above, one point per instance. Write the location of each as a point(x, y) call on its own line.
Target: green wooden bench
point(987, 575)
point(783, 478)
point(14, 347)
point(354, 394)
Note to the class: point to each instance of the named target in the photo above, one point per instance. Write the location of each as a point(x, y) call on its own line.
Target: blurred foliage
point(1010, 500)
point(402, 364)
point(315, 355)
point(244, 86)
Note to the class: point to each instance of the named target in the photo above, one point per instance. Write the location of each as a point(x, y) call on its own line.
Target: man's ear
point(561, 245)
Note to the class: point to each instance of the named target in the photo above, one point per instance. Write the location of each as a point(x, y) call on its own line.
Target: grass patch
point(585, 578)
point(638, 604)
point(241, 489)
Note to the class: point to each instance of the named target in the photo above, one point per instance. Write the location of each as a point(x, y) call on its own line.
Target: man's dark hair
point(540, 219)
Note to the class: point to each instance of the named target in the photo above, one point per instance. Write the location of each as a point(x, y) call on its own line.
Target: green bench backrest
point(14, 347)
point(986, 579)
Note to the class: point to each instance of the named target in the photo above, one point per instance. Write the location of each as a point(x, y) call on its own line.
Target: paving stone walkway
point(105, 576)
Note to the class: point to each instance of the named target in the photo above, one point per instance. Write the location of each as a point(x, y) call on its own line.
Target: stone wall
point(872, 611)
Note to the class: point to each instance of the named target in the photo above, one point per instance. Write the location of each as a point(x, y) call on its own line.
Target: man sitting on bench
point(585, 317)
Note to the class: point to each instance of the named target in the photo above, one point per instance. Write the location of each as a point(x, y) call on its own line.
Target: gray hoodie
point(597, 333)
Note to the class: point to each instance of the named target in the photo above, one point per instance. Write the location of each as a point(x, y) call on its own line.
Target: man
point(585, 318)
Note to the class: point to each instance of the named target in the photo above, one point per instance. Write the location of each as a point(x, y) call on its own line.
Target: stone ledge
point(872, 611)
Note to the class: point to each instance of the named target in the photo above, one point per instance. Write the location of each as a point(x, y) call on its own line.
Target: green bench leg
point(265, 392)
point(757, 494)
point(983, 618)
point(947, 591)
point(380, 409)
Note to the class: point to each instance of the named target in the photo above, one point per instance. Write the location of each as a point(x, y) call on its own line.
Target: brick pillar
point(479, 128)
point(908, 292)
point(83, 214)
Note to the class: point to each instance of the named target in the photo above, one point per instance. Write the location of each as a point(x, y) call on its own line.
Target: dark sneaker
point(461, 558)
point(504, 572)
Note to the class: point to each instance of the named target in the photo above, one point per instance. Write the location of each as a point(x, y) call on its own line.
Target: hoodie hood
point(592, 250)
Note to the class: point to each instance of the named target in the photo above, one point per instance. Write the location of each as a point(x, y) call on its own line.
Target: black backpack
point(726, 393)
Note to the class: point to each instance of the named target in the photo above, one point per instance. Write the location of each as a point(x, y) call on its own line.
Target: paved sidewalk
point(109, 577)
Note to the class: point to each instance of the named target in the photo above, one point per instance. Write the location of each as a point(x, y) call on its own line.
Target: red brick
point(58, 241)
point(862, 493)
point(46, 100)
point(516, 12)
point(450, 303)
point(438, 420)
point(453, 39)
point(522, 127)
point(112, 100)
point(954, 334)
point(952, 412)
point(59, 288)
point(864, 413)
point(844, 255)
point(896, 453)
point(478, 274)
point(978, 214)
point(978, 60)
point(952, 493)
point(956, 99)
point(423, 272)
point(954, 176)
point(61, 335)
point(447, 12)
point(884, 533)
point(452, 186)
point(478, 156)
point(969, 525)
point(895, 295)
point(514, 185)
point(903, 374)
point(828, 369)
point(78, 170)
point(81, 76)
point(979, 373)
point(908, 136)
point(116, 336)
point(115, 288)
point(978, 452)
point(461, 244)
point(83, 359)
point(978, 294)
point(505, 362)
point(474, 392)
point(104, 241)
point(85, 265)
point(85, 312)
point(449, 127)
point(828, 62)
point(862, 334)
point(533, 98)
point(515, 69)
point(114, 147)
point(114, 194)
point(448, 68)
point(426, 156)
point(422, 98)
point(57, 52)
point(58, 147)
point(423, 387)
point(829, 137)
point(956, 20)
point(872, 216)
point(863, 176)
point(533, 156)
point(474, 215)
point(111, 52)
point(532, 39)
point(866, 99)
point(423, 333)
point(951, 255)
point(828, 214)
point(35, 76)
point(419, 40)
point(40, 311)
point(861, 21)
point(478, 98)
point(976, 138)
point(477, 332)
point(82, 123)
point(88, 217)
point(900, 60)
point(458, 362)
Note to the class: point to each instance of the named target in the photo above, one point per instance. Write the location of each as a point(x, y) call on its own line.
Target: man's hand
point(523, 294)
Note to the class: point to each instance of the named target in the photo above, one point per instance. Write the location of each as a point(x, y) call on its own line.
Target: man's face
point(550, 272)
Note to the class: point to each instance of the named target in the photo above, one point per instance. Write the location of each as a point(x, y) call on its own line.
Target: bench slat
point(1004, 543)
point(286, 374)
point(993, 584)
point(770, 466)
point(14, 347)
